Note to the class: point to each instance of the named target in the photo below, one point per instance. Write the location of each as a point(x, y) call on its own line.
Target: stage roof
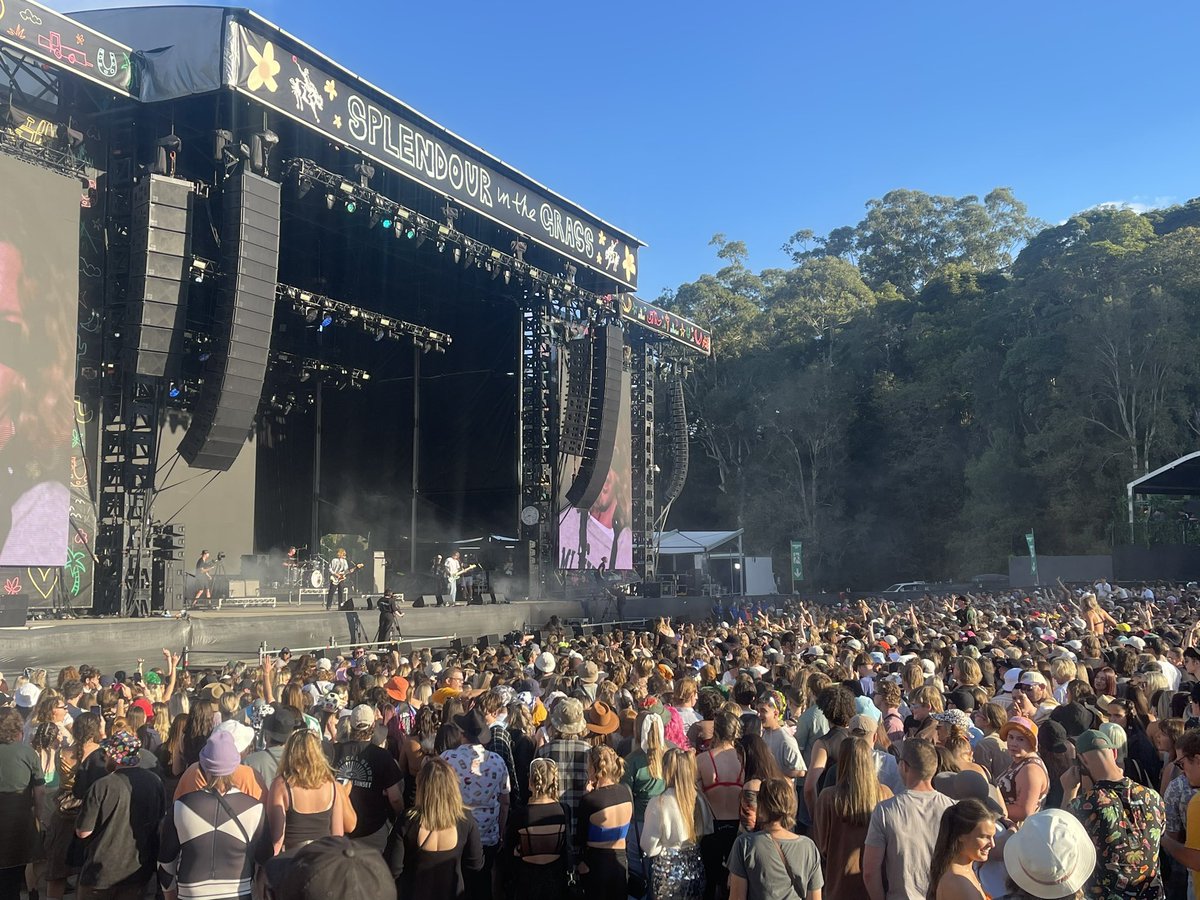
point(1180, 477)
point(189, 50)
point(675, 543)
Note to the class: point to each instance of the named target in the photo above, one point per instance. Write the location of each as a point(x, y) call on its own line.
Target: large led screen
point(39, 291)
point(600, 537)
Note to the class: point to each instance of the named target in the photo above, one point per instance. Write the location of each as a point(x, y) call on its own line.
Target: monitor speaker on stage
point(237, 369)
point(14, 610)
point(608, 353)
point(161, 256)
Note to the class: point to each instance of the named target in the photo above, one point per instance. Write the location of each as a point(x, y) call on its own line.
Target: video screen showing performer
point(39, 300)
point(588, 538)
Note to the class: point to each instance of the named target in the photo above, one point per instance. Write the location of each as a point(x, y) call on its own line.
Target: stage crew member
point(389, 618)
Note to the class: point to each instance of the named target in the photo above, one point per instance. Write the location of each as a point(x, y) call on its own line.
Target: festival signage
point(382, 128)
point(667, 324)
point(63, 42)
point(797, 563)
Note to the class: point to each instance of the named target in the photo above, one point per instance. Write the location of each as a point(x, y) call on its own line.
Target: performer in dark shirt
point(204, 576)
point(389, 617)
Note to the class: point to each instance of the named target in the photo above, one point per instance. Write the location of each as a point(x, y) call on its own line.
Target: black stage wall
point(469, 416)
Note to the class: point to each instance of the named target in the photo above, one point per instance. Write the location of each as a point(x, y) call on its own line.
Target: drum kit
point(307, 573)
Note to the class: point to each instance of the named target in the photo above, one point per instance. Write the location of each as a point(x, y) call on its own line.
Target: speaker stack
point(161, 258)
point(604, 406)
point(237, 369)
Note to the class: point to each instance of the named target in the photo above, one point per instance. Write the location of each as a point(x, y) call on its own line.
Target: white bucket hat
point(1051, 856)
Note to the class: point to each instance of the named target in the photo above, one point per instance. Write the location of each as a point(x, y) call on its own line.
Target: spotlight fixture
point(173, 391)
point(329, 198)
point(327, 321)
point(518, 248)
point(311, 314)
point(204, 357)
point(386, 222)
point(441, 246)
point(303, 187)
point(507, 276)
point(457, 254)
point(351, 206)
point(379, 335)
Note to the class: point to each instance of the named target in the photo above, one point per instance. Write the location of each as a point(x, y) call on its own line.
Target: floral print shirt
point(1125, 821)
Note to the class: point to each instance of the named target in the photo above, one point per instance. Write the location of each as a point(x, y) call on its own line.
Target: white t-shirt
point(905, 828)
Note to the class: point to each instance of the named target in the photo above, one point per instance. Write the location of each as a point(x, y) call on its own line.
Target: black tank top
point(304, 828)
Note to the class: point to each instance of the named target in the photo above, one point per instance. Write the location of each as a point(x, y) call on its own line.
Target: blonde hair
point(1062, 669)
point(543, 778)
point(229, 703)
point(856, 793)
point(303, 763)
point(604, 764)
point(161, 722)
point(966, 671)
point(438, 804)
point(679, 772)
point(928, 696)
point(651, 740)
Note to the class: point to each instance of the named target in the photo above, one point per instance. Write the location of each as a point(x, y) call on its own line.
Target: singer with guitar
point(204, 576)
point(452, 570)
point(339, 571)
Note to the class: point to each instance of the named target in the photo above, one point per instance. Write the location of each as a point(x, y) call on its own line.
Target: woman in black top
point(537, 834)
point(520, 733)
point(437, 841)
point(602, 826)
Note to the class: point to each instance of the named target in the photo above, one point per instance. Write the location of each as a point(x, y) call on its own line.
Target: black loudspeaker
point(233, 380)
point(608, 350)
point(160, 239)
point(14, 610)
point(573, 433)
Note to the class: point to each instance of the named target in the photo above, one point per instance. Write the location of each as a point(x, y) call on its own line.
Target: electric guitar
point(342, 576)
point(465, 569)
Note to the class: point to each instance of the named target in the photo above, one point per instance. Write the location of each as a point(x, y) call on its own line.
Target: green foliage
point(914, 394)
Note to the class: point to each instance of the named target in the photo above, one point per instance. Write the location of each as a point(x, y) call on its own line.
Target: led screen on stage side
point(39, 295)
point(602, 535)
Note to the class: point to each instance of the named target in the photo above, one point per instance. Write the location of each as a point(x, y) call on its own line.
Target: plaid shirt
point(570, 755)
point(501, 745)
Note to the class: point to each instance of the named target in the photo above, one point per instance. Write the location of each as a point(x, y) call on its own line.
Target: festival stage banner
point(384, 129)
point(667, 324)
point(61, 41)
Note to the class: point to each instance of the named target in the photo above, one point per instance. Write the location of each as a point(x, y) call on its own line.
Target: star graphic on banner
point(630, 265)
point(331, 89)
point(265, 68)
point(599, 259)
point(337, 121)
point(602, 238)
point(79, 39)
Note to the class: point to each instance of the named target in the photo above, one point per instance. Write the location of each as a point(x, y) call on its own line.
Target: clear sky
point(676, 121)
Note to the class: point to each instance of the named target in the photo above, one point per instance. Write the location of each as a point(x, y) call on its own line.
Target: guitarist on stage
point(339, 570)
point(451, 569)
point(204, 576)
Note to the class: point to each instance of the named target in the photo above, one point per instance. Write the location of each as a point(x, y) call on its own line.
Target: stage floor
point(215, 636)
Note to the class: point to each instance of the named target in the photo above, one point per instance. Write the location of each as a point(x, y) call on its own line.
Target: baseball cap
point(330, 867)
point(861, 725)
point(1093, 740)
point(362, 715)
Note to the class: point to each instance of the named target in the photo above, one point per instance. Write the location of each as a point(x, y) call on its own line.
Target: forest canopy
point(920, 389)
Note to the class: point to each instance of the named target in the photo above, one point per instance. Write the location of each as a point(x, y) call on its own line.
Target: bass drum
point(316, 578)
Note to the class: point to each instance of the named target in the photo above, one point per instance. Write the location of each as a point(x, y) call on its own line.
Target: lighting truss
point(464, 250)
point(377, 324)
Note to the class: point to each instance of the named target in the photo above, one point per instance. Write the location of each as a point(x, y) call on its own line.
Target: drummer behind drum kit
point(307, 573)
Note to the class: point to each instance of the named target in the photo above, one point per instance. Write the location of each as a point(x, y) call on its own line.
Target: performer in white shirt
point(451, 567)
point(338, 570)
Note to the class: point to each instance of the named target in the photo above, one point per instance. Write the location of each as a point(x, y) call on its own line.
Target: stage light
point(507, 276)
point(410, 232)
point(305, 375)
point(174, 391)
point(329, 198)
point(327, 321)
point(351, 206)
point(457, 254)
point(466, 261)
point(310, 315)
point(346, 187)
point(386, 222)
point(376, 214)
point(204, 357)
point(441, 246)
point(303, 188)
point(365, 172)
point(379, 335)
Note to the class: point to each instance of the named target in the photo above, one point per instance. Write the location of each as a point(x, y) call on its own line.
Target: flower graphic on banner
point(337, 121)
point(330, 89)
point(12, 585)
point(265, 68)
point(630, 265)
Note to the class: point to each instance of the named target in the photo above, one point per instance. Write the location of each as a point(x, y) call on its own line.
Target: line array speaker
point(573, 433)
point(604, 409)
point(161, 250)
point(237, 369)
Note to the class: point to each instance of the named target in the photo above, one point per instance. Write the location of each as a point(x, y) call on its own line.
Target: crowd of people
point(1009, 745)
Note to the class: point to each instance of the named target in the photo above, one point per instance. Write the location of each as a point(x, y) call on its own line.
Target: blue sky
point(677, 121)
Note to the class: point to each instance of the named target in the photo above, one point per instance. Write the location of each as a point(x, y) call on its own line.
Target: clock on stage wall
point(530, 515)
